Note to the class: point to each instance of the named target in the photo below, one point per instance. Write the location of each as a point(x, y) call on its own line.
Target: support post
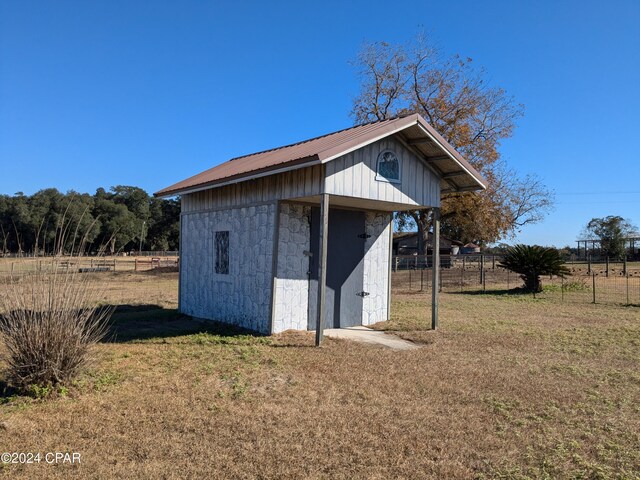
point(322, 266)
point(436, 268)
point(390, 260)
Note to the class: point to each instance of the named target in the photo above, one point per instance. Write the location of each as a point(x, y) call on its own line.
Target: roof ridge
point(319, 136)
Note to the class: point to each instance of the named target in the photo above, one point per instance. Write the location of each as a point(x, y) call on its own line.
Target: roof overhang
point(455, 172)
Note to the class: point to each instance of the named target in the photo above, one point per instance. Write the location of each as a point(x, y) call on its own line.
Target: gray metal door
point(345, 267)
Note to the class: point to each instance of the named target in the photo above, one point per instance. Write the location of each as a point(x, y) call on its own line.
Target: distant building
point(470, 248)
point(406, 243)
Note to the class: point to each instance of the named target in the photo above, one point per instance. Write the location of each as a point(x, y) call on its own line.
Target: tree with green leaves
point(473, 116)
point(122, 219)
point(532, 261)
point(612, 232)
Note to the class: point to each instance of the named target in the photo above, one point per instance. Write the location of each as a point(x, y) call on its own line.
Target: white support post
point(322, 266)
point(435, 284)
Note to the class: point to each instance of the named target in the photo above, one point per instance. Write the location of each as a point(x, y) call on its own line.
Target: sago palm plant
point(532, 261)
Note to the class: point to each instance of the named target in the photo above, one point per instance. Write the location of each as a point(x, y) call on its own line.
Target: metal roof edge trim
point(165, 193)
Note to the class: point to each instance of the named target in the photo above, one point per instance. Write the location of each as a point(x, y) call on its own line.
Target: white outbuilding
point(300, 236)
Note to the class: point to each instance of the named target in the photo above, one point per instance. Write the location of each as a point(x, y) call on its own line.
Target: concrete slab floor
point(366, 335)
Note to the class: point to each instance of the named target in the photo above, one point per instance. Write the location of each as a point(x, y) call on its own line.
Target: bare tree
point(471, 115)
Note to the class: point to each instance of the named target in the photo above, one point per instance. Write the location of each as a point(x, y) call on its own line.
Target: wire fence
point(132, 253)
point(605, 283)
point(20, 266)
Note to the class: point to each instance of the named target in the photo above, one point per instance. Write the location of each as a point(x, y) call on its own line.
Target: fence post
point(461, 280)
point(135, 264)
point(593, 275)
point(493, 259)
point(607, 268)
point(421, 278)
point(410, 279)
point(589, 265)
point(12, 265)
point(482, 268)
point(396, 264)
point(624, 265)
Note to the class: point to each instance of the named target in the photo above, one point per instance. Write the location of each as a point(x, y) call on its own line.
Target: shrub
point(49, 322)
point(532, 261)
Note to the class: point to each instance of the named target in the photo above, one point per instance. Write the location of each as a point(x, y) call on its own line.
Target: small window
point(222, 252)
point(388, 168)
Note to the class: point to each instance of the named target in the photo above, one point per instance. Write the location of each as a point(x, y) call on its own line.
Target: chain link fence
point(590, 282)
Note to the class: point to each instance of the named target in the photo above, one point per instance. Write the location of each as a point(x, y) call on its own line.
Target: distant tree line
point(124, 218)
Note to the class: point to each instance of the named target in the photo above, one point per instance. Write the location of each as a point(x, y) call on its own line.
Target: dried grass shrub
point(50, 320)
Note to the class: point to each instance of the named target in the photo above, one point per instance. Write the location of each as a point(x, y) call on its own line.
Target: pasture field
point(510, 387)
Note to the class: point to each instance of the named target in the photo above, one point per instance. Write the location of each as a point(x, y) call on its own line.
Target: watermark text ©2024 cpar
point(51, 458)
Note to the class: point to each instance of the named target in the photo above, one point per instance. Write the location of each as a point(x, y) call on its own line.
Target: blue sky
point(147, 93)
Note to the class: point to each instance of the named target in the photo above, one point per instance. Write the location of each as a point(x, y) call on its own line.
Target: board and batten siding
point(303, 182)
point(354, 175)
point(351, 175)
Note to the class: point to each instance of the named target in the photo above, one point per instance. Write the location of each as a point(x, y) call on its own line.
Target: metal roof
point(457, 174)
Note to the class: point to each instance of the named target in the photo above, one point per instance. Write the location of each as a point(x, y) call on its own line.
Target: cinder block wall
point(242, 297)
point(292, 282)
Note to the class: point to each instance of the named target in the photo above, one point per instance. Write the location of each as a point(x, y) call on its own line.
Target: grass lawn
point(509, 387)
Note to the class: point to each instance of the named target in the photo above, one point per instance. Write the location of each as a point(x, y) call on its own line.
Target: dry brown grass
point(508, 388)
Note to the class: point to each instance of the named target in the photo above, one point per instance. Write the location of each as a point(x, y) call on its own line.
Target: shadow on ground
point(509, 292)
point(131, 323)
point(7, 392)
